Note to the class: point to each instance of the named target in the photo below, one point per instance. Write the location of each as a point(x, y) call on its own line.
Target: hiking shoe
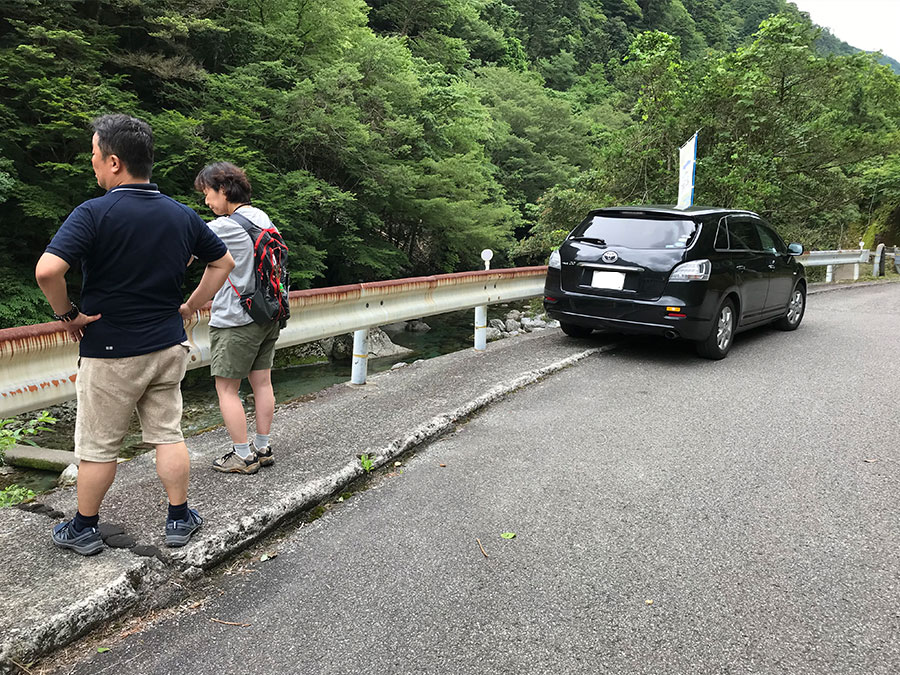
point(178, 532)
point(86, 542)
point(264, 455)
point(231, 462)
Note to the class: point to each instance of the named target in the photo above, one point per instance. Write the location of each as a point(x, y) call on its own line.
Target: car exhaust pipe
point(670, 334)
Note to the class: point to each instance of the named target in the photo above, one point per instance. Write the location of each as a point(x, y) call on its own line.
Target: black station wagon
point(702, 274)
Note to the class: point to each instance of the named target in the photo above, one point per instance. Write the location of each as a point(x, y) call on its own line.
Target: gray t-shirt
point(226, 305)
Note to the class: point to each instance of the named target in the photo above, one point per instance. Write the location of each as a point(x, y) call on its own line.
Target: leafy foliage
point(14, 494)
point(13, 431)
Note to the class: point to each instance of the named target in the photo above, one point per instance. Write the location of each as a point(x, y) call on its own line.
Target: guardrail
point(38, 364)
point(855, 257)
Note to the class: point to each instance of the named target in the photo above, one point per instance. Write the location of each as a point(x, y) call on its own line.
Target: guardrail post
point(481, 328)
point(855, 271)
point(878, 267)
point(360, 356)
point(896, 261)
point(481, 312)
point(829, 274)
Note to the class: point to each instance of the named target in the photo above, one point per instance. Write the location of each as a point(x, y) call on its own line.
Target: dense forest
point(401, 137)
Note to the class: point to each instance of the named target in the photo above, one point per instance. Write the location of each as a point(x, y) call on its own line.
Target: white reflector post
point(481, 328)
point(360, 356)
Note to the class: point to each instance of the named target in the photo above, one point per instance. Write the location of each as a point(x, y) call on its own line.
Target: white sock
point(242, 450)
point(262, 441)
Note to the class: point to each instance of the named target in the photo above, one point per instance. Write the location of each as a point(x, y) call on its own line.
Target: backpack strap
point(244, 222)
point(248, 225)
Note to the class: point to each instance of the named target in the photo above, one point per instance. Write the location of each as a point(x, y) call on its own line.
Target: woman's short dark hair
point(129, 138)
point(227, 176)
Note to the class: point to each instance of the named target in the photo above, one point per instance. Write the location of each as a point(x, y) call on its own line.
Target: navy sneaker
point(86, 542)
point(178, 532)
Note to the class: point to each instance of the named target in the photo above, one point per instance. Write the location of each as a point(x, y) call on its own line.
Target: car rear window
point(647, 233)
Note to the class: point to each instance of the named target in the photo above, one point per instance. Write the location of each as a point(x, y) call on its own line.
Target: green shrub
point(12, 495)
point(13, 431)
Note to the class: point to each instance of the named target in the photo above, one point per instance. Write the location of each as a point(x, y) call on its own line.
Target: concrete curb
point(44, 459)
point(106, 603)
point(252, 527)
point(139, 584)
point(822, 287)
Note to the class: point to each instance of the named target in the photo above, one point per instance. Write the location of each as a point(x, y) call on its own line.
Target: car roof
point(669, 210)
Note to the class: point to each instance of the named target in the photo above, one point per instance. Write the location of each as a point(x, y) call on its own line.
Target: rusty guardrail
point(38, 364)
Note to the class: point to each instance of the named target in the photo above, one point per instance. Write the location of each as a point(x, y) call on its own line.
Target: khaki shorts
point(236, 351)
point(109, 390)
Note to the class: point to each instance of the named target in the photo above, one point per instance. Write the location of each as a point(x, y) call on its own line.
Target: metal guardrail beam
point(843, 257)
point(38, 364)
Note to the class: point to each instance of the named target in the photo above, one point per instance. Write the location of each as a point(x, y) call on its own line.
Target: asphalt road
point(672, 515)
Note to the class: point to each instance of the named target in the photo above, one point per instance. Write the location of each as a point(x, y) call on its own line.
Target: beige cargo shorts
point(109, 390)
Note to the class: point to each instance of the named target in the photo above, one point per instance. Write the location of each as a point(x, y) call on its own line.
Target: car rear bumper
point(682, 327)
point(689, 315)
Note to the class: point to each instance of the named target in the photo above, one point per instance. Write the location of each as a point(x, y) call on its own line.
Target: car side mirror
point(795, 249)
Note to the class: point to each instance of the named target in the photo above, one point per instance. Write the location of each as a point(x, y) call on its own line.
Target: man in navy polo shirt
point(133, 245)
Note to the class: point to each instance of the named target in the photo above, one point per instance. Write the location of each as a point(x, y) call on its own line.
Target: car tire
point(796, 310)
point(721, 335)
point(574, 330)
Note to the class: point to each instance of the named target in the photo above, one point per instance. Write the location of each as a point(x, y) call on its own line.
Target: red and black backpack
point(268, 300)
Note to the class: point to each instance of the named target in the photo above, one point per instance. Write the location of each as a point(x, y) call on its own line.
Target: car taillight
point(695, 270)
point(555, 260)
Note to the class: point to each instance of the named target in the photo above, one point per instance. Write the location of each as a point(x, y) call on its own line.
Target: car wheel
point(795, 311)
point(574, 330)
point(718, 343)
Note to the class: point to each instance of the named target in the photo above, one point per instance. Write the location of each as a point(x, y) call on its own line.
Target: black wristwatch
point(71, 315)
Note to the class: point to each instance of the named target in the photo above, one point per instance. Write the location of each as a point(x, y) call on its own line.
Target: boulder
point(379, 345)
point(533, 322)
point(417, 326)
point(513, 314)
point(69, 476)
point(512, 326)
point(327, 345)
point(498, 324)
point(397, 327)
point(300, 355)
point(493, 334)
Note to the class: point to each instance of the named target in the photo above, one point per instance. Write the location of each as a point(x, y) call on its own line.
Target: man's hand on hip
point(75, 327)
point(186, 312)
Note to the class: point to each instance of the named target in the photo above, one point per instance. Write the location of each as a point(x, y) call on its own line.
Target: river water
point(449, 333)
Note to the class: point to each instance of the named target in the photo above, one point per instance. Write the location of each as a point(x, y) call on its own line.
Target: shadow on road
point(655, 349)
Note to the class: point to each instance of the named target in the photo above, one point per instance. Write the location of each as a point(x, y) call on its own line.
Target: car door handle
point(740, 268)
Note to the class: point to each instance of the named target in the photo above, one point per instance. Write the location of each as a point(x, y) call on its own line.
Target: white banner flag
point(687, 159)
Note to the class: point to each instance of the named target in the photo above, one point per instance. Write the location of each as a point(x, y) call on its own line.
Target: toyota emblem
point(610, 257)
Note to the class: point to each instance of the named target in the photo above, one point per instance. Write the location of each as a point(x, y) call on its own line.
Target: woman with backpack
point(241, 346)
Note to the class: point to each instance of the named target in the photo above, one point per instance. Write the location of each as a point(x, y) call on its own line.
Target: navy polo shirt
point(134, 244)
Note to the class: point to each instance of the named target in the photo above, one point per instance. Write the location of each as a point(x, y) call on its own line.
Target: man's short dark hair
point(129, 138)
point(227, 176)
